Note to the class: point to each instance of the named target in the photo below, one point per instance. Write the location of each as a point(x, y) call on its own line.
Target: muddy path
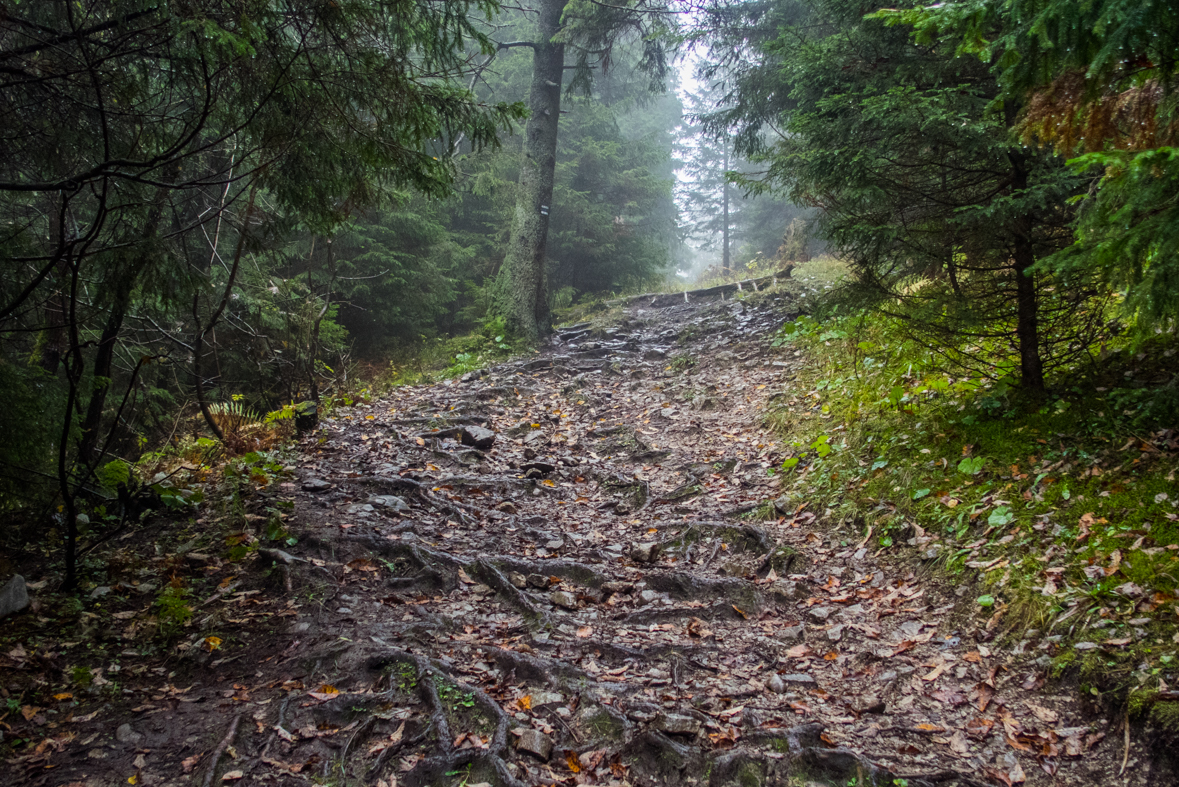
point(569, 570)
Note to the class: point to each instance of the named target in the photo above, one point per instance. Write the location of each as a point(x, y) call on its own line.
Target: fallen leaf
point(29, 711)
point(585, 631)
point(573, 761)
point(935, 673)
point(212, 643)
point(525, 702)
point(188, 763)
point(798, 652)
point(740, 612)
point(65, 695)
point(232, 776)
point(979, 727)
point(1043, 714)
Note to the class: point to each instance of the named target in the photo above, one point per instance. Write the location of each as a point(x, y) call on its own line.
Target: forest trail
point(589, 601)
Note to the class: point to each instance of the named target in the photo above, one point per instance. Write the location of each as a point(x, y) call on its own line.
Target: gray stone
point(798, 677)
point(791, 633)
point(124, 734)
point(563, 599)
point(477, 437)
point(538, 581)
point(819, 614)
point(776, 684)
point(535, 743)
point(677, 724)
point(536, 436)
point(518, 580)
point(611, 588)
point(391, 502)
point(1085, 646)
point(554, 545)
point(100, 591)
point(316, 485)
point(648, 596)
point(646, 552)
point(783, 505)
point(835, 633)
point(14, 596)
point(542, 698)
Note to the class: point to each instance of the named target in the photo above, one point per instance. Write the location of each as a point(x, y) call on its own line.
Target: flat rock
point(798, 677)
point(124, 734)
point(390, 502)
point(477, 437)
point(14, 596)
point(835, 633)
point(677, 724)
point(819, 613)
point(316, 485)
point(645, 552)
point(564, 599)
point(535, 743)
point(542, 698)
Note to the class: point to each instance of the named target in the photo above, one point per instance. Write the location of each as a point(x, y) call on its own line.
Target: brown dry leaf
point(740, 612)
point(979, 727)
point(585, 631)
point(935, 673)
point(29, 711)
point(326, 692)
point(798, 652)
point(1043, 714)
point(464, 578)
point(973, 657)
point(188, 763)
point(927, 727)
point(958, 743)
point(906, 645)
point(985, 693)
point(1016, 774)
point(232, 776)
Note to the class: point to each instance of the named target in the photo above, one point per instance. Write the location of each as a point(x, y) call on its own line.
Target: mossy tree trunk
point(523, 288)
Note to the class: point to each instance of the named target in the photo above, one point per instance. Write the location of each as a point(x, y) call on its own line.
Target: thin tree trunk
point(523, 289)
point(1027, 328)
point(727, 262)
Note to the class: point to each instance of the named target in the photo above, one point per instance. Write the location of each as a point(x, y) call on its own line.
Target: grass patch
point(1063, 510)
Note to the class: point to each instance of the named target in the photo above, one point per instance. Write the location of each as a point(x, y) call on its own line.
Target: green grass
point(1064, 510)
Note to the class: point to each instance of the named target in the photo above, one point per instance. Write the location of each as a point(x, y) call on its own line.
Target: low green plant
point(172, 609)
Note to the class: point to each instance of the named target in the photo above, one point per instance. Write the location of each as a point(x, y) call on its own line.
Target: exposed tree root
point(445, 759)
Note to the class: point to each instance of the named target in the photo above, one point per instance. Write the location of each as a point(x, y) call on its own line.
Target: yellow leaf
point(740, 612)
point(328, 688)
point(63, 696)
point(525, 702)
point(133, 779)
point(574, 761)
point(213, 643)
point(547, 482)
point(369, 417)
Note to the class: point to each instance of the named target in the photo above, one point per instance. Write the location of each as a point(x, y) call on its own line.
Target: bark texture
point(523, 292)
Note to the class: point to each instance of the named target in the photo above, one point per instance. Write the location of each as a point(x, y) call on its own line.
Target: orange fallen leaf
point(585, 631)
point(525, 702)
point(65, 695)
point(212, 643)
point(573, 760)
point(740, 612)
point(831, 656)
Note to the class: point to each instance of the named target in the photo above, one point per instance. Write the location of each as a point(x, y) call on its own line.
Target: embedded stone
point(677, 724)
point(646, 552)
point(477, 437)
point(14, 596)
point(535, 743)
point(564, 599)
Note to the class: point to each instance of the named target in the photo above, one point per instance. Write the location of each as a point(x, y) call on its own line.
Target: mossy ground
point(1062, 510)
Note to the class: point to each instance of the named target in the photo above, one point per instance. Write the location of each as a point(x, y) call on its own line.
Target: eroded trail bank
point(568, 570)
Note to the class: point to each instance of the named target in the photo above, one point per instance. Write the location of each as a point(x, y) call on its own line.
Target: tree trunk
point(1027, 328)
point(523, 291)
point(726, 260)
